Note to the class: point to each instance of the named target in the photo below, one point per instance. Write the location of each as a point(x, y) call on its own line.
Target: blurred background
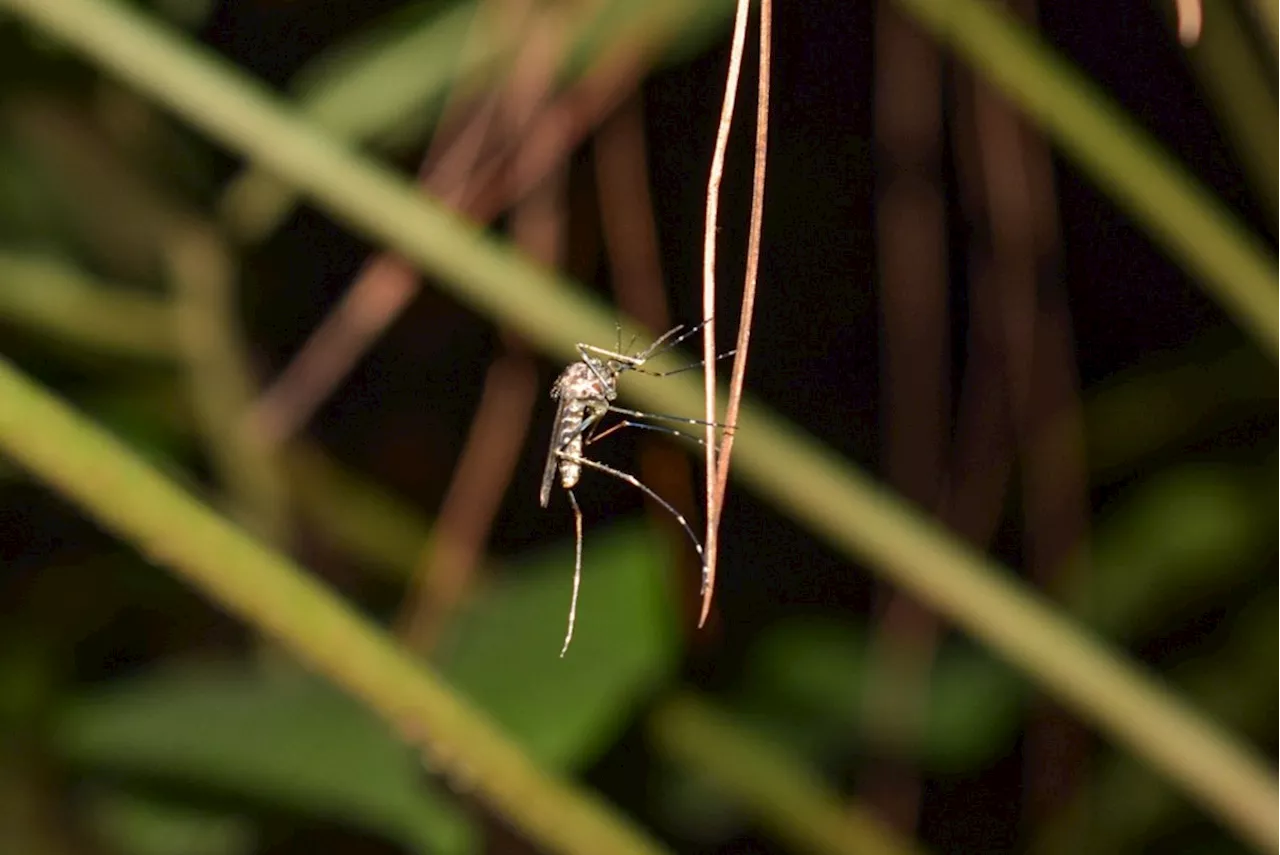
point(944, 301)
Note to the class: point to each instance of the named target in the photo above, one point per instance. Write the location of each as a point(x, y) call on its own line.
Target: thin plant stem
point(481, 190)
point(558, 129)
point(52, 297)
point(737, 377)
point(711, 542)
point(1190, 21)
point(220, 377)
point(385, 286)
point(424, 62)
point(449, 560)
point(912, 264)
point(1012, 188)
point(626, 215)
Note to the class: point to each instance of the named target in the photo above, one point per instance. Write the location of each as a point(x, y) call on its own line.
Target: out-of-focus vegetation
point(138, 719)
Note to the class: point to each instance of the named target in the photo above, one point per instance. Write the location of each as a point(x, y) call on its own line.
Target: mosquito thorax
point(582, 382)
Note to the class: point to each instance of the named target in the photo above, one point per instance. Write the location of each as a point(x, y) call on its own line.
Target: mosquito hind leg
point(577, 571)
point(669, 431)
point(635, 482)
point(622, 411)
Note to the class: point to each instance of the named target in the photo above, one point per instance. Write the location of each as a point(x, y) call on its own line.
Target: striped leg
point(669, 431)
point(635, 482)
point(689, 367)
point(577, 571)
point(622, 411)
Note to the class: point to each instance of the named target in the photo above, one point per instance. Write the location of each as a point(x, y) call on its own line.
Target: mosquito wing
point(553, 462)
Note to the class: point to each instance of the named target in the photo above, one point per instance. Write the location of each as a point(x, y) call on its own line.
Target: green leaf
point(975, 709)
point(692, 806)
point(130, 824)
point(504, 653)
point(814, 669)
point(1171, 542)
point(291, 741)
point(815, 676)
point(401, 66)
point(30, 213)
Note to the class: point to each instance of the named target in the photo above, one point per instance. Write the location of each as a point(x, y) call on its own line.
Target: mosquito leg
point(659, 428)
point(577, 571)
point(622, 411)
point(635, 482)
point(593, 437)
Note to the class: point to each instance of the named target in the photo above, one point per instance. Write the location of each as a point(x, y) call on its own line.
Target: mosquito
point(586, 391)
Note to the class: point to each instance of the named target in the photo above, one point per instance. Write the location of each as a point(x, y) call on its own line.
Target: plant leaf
point(503, 653)
point(815, 677)
point(291, 741)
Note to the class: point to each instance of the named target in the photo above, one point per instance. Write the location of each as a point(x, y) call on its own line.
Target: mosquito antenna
point(635, 482)
point(617, 325)
point(664, 342)
point(689, 367)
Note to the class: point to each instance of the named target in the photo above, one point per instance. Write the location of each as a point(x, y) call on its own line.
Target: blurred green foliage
point(291, 741)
